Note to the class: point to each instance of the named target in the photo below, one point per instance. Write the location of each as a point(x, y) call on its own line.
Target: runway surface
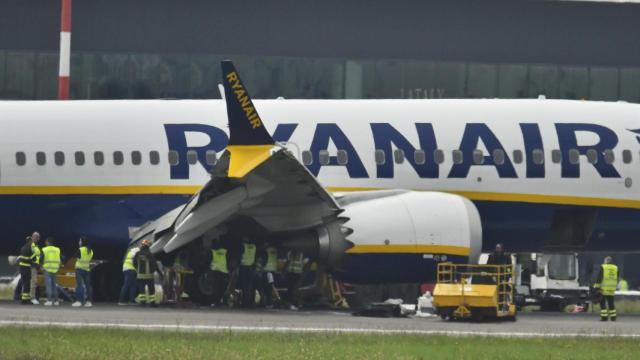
point(205, 319)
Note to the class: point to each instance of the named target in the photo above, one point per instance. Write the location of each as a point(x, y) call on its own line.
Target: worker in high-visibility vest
point(84, 293)
point(247, 268)
point(37, 254)
point(268, 265)
point(607, 283)
point(295, 268)
point(128, 290)
point(25, 262)
point(219, 272)
point(623, 285)
point(145, 265)
point(51, 261)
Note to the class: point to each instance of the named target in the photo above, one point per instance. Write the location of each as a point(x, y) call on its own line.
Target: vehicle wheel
point(199, 290)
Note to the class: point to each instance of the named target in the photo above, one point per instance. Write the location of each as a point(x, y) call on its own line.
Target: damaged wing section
point(259, 179)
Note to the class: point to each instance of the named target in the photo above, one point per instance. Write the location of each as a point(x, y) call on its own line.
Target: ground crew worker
point(267, 279)
point(84, 292)
point(35, 237)
point(295, 266)
point(607, 282)
point(247, 268)
point(25, 262)
point(623, 285)
point(51, 264)
point(219, 273)
point(128, 290)
point(145, 265)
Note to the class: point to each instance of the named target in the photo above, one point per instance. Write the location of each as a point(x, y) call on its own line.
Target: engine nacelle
point(402, 236)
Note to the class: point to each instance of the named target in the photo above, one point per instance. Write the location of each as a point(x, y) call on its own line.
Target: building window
point(192, 157)
point(21, 158)
point(517, 156)
point(556, 156)
point(98, 158)
point(79, 158)
point(398, 156)
point(478, 157)
point(154, 157)
point(58, 158)
point(380, 157)
point(118, 158)
point(174, 158)
point(343, 157)
point(626, 156)
point(419, 157)
point(456, 155)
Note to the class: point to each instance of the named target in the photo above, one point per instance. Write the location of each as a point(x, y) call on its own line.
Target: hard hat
point(146, 242)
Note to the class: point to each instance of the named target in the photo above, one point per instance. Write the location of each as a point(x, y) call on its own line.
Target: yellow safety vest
point(128, 261)
point(624, 285)
point(144, 268)
point(36, 253)
point(296, 263)
point(272, 260)
point(51, 259)
point(609, 279)
point(249, 255)
point(219, 260)
point(85, 258)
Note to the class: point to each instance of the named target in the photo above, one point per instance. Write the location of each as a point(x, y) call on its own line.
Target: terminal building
point(326, 49)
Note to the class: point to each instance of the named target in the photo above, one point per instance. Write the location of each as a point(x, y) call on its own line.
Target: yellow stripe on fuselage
point(409, 249)
point(192, 189)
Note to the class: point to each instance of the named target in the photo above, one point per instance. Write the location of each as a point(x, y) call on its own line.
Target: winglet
point(249, 142)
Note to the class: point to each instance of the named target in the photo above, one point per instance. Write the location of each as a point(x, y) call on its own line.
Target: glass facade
point(33, 75)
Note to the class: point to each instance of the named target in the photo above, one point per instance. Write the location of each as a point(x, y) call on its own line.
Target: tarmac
point(318, 321)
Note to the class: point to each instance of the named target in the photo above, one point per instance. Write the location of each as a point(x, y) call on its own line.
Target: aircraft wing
point(255, 177)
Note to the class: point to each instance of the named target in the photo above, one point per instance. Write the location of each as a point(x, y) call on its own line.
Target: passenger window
point(398, 156)
point(98, 158)
point(380, 157)
point(41, 158)
point(592, 156)
point(609, 156)
point(58, 158)
point(307, 158)
point(118, 158)
point(343, 157)
point(79, 158)
point(154, 157)
point(538, 156)
point(517, 156)
point(574, 156)
point(21, 158)
point(626, 156)
point(211, 157)
point(192, 157)
point(323, 156)
point(478, 157)
point(174, 159)
point(438, 156)
point(136, 157)
point(456, 155)
point(419, 157)
point(556, 156)
point(498, 156)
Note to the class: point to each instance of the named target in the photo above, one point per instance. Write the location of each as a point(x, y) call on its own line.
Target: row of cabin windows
point(419, 157)
point(117, 157)
point(478, 157)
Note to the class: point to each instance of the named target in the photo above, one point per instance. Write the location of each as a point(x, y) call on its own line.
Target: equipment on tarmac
point(474, 291)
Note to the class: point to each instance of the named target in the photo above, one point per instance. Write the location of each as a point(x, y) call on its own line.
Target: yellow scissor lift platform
point(474, 291)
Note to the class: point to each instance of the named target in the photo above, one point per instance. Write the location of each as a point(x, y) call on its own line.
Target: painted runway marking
point(284, 329)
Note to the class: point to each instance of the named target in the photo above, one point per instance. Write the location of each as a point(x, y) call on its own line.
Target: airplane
point(376, 191)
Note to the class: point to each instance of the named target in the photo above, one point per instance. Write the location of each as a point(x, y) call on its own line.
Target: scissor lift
point(474, 291)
